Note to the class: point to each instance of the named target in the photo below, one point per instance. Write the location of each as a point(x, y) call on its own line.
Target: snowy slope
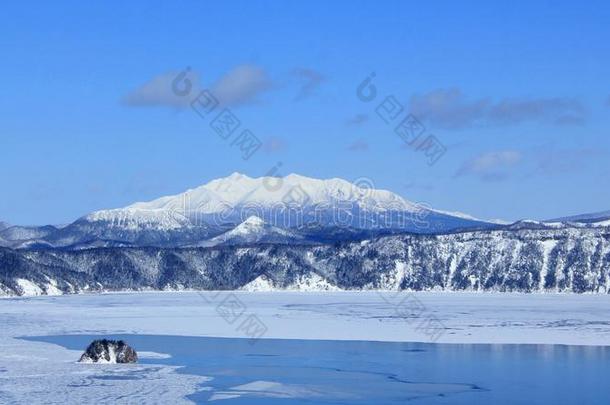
point(22, 233)
point(239, 189)
point(306, 282)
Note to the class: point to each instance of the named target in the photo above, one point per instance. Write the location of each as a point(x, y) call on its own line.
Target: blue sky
point(518, 94)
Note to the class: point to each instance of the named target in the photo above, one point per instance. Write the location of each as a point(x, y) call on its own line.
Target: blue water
point(359, 372)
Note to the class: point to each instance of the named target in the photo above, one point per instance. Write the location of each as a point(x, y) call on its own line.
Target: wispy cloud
point(358, 119)
point(358, 146)
point(490, 166)
point(309, 80)
point(558, 111)
point(451, 109)
point(547, 160)
point(447, 108)
point(157, 92)
point(241, 85)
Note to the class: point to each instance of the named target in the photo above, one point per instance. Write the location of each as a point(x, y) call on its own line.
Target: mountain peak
point(237, 176)
point(280, 202)
point(254, 230)
point(253, 220)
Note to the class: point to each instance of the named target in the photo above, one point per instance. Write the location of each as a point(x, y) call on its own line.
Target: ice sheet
point(43, 372)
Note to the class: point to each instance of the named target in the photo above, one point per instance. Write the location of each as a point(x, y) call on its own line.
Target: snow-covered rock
point(27, 287)
point(109, 352)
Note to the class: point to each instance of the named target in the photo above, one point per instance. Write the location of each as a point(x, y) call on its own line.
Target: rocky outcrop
point(109, 351)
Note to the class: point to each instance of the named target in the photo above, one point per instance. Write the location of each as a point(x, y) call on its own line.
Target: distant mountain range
point(302, 209)
point(301, 233)
point(597, 217)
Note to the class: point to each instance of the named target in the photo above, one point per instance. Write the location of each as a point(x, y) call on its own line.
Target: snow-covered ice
point(43, 372)
point(367, 315)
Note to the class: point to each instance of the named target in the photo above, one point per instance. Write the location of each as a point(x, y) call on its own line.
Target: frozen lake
point(358, 372)
point(317, 347)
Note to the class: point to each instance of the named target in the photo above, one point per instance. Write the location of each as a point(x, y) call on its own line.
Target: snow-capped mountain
point(239, 189)
point(254, 230)
point(287, 202)
point(320, 210)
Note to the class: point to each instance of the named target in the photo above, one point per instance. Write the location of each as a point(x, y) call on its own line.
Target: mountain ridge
point(575, 260)
point(293, 202)
point(585, 218)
